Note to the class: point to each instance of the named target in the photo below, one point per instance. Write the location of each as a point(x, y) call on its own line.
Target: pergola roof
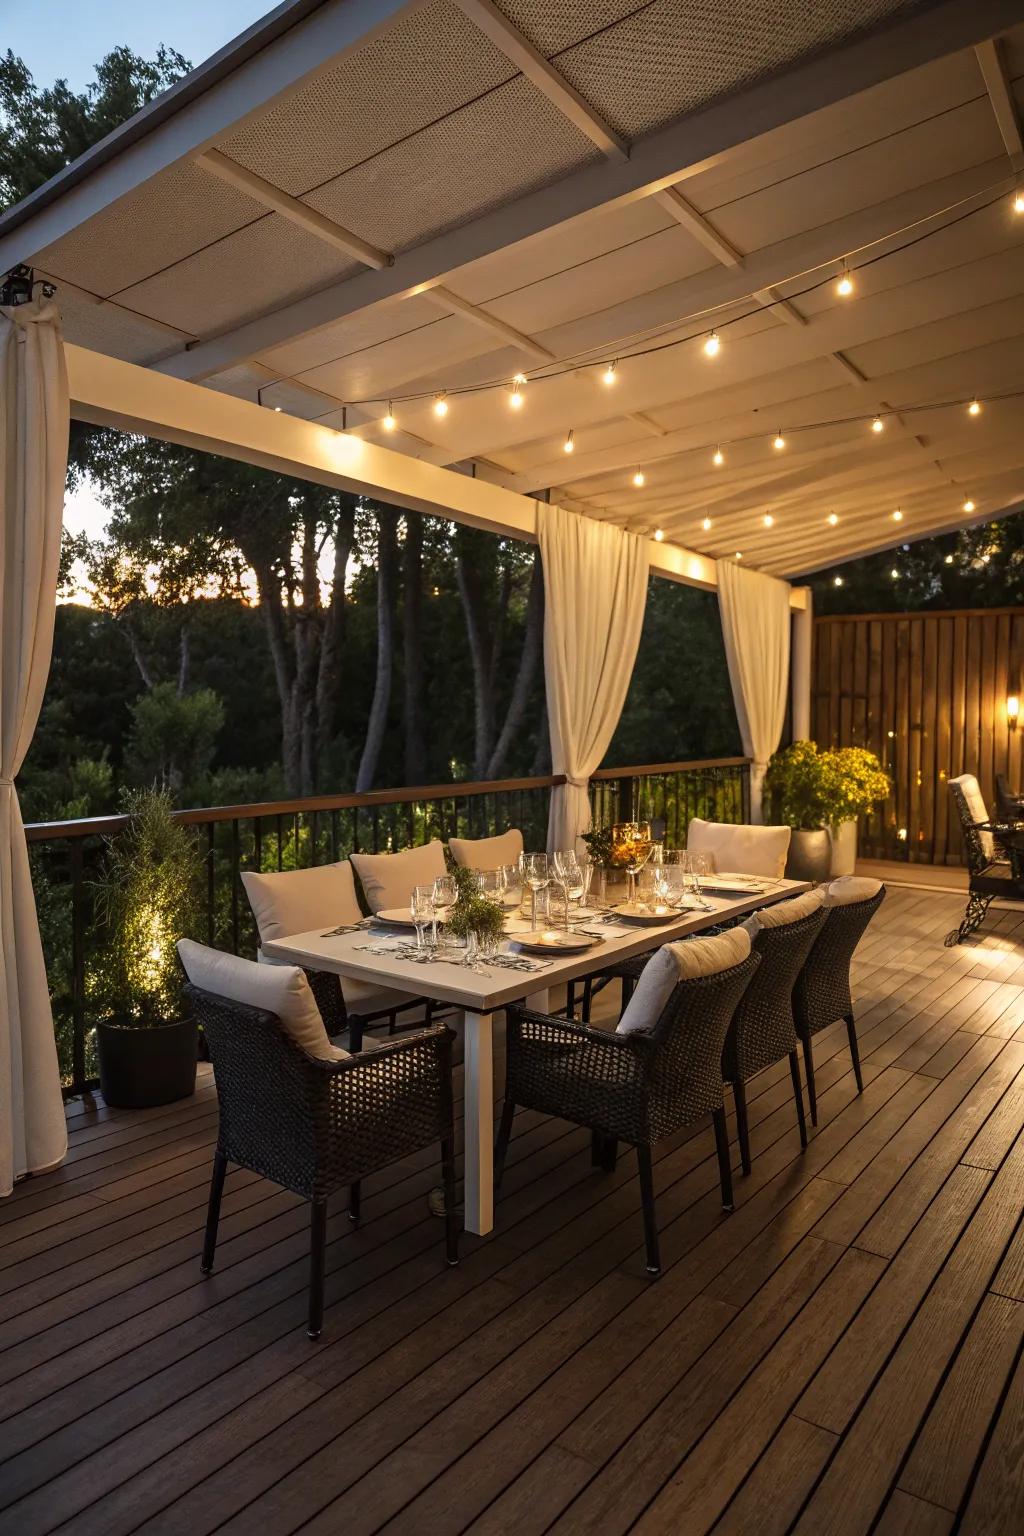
point(362, 202)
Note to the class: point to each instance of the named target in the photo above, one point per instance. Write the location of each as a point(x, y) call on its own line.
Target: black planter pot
point(140, 1067)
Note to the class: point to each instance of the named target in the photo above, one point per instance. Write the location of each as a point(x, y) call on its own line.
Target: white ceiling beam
point(664, 158)
point(521, 52)
point(217, 164)
point(686, 215)
point(1000, 92)
point(446, 299)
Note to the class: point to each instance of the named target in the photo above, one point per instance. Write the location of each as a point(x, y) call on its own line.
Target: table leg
point(478, 1109)
point(538, 1002)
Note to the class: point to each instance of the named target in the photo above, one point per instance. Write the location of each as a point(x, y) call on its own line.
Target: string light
point(277, 409)
point(659, 534)
point(515, 399)
point(780, 441)
point(894, 573)
point(949, 559)
point(706, 525)
point(844, 287)
point(968, 505)
point(878, 425)
point(768, 520)
point(985, 559)
point(837, 581)
point(897, 516)
point(833, 518)
point(974, 409)
point(1018, 200)
point(718, 458)
point(609, 374)
point(638, 478)
point(389, 422)
point(441, 404)
point(739, 554)
point(569, 445)
point(712, 345)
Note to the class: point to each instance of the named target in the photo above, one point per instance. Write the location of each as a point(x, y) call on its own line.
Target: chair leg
point(570, 1001)
point(812, 1096)
point(724, 1165)
point(851, 1034)
point(317, 1260)
point(355, 1203)
point(604, 1151)
point(508, 1114)
point(451, 1215)
point(794, 1072)
point(643, 1157)
point(355, 1033)
point(588, 998)
point(220, 1168)
point(977, 907)
point(739, 1093)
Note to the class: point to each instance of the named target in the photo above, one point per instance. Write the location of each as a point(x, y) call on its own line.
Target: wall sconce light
point(1012, 710)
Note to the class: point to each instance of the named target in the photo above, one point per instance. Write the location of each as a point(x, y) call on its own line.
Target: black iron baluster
point(235, 883)
point(280, 839)
point(77, 966)
point(211, 876)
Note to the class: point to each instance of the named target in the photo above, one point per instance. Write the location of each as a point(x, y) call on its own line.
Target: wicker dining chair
point(316, 1126)
point(990, 873)
point(638, 1087)
point(763, 1029)
point(822, 992)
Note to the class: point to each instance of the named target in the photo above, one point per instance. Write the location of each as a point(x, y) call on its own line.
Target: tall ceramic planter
point(844, 848)
point(810, 855)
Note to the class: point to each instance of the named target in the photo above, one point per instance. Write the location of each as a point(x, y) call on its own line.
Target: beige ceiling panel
point(554, 26)
point(423, 67)
point(943, 337)
point(245, 274)
point(424, 359)
point(110, 329)
point(360, 332)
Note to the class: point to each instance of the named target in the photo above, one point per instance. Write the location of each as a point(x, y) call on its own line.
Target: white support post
point(478, 1121)
point(800, 667)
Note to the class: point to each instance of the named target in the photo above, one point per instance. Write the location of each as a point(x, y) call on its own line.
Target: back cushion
point(851, 888)
point(977, 810)
point(298, 900)
point(389, 879)
point(280, 989)
point(680, 961)
point(740, 850)
point(487, 852)
point(785, 912)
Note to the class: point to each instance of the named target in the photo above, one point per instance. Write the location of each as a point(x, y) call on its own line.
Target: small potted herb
point(474, 918)
point(145, 901)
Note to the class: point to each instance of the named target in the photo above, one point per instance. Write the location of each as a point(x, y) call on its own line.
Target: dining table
point(480, 989)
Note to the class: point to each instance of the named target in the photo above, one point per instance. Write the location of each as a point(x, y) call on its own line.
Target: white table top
point(448, 982)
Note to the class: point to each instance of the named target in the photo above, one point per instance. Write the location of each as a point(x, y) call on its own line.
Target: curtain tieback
point(5, 779)
point(576, 781)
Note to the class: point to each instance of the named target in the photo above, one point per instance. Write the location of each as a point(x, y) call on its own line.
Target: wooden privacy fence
point(927, 692)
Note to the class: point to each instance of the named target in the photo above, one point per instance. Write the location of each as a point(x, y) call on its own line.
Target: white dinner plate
point(399, 917)
point(643, 915)
point(723, 886)
point(553, 941)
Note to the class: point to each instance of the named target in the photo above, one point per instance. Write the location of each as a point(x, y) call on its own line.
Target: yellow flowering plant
point(808, 789)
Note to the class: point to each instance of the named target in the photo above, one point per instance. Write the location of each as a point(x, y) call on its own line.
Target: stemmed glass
point(537, 875)
point(672, 875)
point(570, 877)
point(634, 843)
point(444, 894)
point(697, 869)
point(421, 909)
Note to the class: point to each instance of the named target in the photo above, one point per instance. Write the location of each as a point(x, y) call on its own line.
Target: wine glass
point(444, 894)
point(512, 887)
point(570, 877)
point(537, 874)
point(421, 909)
point(638, 850)
point(672, 874)
point(697, 869)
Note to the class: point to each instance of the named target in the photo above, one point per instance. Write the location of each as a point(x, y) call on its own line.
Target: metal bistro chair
point(316, 1126)
point(637, 1087)
point(990, 873)
point(822, 991)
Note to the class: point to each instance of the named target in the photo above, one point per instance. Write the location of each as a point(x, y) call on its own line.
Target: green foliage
point(146, 899)
point(173, 736)
point(472, 913)
point(599, 846)
point(980, 567)
point(807, 789)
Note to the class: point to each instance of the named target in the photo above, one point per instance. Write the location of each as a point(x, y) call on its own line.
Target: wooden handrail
point(639, 771)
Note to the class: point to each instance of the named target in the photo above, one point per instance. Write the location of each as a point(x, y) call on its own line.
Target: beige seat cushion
point(740, 849)
point(677, 962)
point(850, 888)
point(977, 809)
point(389, 879)
point(279, 989)
point(361, 997)
point(482, 853)
point(298, 900)
point(784, 912)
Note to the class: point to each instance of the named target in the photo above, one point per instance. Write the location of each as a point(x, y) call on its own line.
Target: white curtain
point(595, 591)
point(33, 459)
point(755, 624)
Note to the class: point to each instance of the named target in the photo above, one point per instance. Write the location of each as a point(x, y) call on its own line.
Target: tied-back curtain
point(33, 459)
point(755, 625)
point(595, 592)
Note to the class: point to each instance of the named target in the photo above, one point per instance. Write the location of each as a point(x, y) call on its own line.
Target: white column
point(800, 668)
point(478, 1113)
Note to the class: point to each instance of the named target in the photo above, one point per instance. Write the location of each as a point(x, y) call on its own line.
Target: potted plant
point(473, 917)
point(820, 795)
point(145, 900)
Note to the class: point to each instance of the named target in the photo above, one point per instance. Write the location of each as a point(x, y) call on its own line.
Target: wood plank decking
point(841, 1355)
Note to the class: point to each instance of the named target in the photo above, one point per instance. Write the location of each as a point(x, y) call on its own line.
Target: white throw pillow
point(740, 849)
point(297, 900)
point(977, 810)
point(389, 879)
point(483, 853)
point(280, 989)
point(850, 888)
point(784, 912)
point(680, 961)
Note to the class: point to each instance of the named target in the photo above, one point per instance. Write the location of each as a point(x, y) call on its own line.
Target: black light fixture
point(16, 286)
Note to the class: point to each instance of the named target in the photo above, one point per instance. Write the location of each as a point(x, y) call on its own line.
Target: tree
point(173, 737)
point(387, 554)
point(979, 567)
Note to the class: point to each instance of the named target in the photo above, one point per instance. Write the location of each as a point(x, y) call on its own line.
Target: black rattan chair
point(638, 1087)
point(763, 1029)
point(990, 875)
point(317, 1126)
point(1009, 807)
point(822, 991)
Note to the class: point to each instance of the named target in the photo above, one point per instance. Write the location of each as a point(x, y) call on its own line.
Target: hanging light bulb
point(389, 422)
point(844, 287)
point(780, 441)
point(515, 399)
point(441, 404)
point(897, 516)
point(768, 520)
point(659, 534)
point(718, 458)
point(833, 518)
point(638, 479)
point(837, 581)
point(569, 445)
point(706, 525)
point(739, 554)
point(894, 573)
point(878, 425)
point(713, 345)
point(974, 409)
point(968, 505)
point(1018, 200)
point(609, 374)
point(949, 559)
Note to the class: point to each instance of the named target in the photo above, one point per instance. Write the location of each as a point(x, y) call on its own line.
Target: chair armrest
point(435, 1036)
point(567, 1033)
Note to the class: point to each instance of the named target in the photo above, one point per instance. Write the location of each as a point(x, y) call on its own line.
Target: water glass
point(491, 883)
point(537, 873)
point(512, 888)
point(422, 911)
point(444, 894)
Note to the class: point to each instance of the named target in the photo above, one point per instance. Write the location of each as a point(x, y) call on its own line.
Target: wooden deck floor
point(843, 1354)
